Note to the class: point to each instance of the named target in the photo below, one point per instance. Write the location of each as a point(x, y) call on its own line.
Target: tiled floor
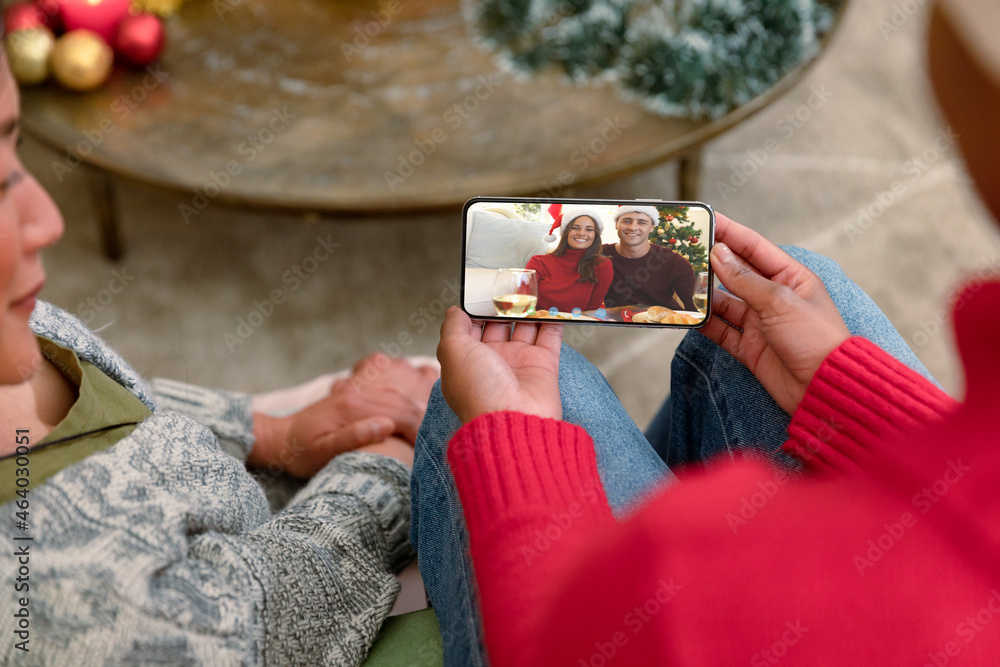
point(857, 132)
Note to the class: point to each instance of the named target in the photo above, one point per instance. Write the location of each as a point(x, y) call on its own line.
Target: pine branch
point(686, 58)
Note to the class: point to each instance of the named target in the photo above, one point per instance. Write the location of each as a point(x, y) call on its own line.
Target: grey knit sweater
point(162, 549)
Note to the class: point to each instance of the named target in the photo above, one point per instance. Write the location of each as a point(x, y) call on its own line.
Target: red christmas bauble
point(22, 16)
point(99, 16)
point(693, 239)
point(672, 241)
point(668, 218)
point(50, 8)
point(140, 39)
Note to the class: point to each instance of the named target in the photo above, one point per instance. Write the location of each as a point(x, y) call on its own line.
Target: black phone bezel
point(599, 202)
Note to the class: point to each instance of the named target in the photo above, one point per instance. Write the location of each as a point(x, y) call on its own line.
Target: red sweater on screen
point(888, 555)
point(559, 281)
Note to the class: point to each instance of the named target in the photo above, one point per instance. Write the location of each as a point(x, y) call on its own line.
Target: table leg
point(689, 175)
point(103, 192)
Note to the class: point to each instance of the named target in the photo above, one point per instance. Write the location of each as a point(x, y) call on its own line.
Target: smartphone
point(635, 262)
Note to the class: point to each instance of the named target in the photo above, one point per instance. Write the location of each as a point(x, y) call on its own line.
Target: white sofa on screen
point(494, 239)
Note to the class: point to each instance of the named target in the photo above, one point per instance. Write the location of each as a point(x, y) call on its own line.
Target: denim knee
point(437, 429)
point(695, 345)
point(571, 361)
point(821, 265)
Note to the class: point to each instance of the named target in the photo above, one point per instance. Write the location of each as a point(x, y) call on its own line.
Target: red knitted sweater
point(559, 282)
point(888, 555)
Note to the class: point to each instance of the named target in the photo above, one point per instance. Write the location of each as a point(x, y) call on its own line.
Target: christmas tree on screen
point(675, 230)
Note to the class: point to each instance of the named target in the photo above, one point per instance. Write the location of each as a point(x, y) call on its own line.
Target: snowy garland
point(687, 58)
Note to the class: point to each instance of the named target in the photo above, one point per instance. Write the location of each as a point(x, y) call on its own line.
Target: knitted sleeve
point(227, 413)
point(860, 399)
point(162, 550)
point(530, 492)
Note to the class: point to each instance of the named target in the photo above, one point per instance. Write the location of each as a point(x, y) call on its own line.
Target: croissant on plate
point(665, 316)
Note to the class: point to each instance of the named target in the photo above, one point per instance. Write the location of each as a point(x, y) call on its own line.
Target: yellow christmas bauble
point(28, 54)
point(161, 8)
point(81, 60)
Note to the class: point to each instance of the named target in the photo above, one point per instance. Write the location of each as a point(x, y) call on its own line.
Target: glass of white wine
point(515, 292)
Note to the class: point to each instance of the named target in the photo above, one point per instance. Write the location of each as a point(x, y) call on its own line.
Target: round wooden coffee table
point(350, 106)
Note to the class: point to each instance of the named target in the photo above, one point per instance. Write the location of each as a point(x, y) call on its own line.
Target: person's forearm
point(393, 447)
point(268, 434)
point(530, 491)
point(859, 399)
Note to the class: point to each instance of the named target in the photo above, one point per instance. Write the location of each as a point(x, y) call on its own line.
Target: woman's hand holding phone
point(789, 322)
point(499, 366)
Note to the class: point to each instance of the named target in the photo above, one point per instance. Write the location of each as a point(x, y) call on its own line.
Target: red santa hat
point(651, 211)
point(563, 221)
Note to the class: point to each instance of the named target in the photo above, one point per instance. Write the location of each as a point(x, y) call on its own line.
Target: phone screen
point(627, 262)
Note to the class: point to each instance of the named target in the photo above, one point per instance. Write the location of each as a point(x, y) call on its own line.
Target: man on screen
point(646, 273)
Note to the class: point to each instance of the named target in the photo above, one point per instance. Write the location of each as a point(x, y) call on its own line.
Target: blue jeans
point(716, 407)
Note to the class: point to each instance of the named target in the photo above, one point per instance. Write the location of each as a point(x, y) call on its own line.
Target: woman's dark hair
point(587, 266)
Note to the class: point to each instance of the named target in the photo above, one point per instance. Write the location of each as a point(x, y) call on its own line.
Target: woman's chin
point(20, 357)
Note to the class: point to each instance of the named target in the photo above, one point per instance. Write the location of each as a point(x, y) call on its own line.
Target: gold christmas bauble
point(161, 8)
point(81, 60)
point(28, 54)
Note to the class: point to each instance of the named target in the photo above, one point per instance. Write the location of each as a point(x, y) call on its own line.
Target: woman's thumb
point(740, 278)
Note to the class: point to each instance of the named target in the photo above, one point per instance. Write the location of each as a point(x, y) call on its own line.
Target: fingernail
point(722, 251)
point(379, 429)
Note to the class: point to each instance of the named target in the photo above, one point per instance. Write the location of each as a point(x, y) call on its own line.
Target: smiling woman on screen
point(575, 274)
